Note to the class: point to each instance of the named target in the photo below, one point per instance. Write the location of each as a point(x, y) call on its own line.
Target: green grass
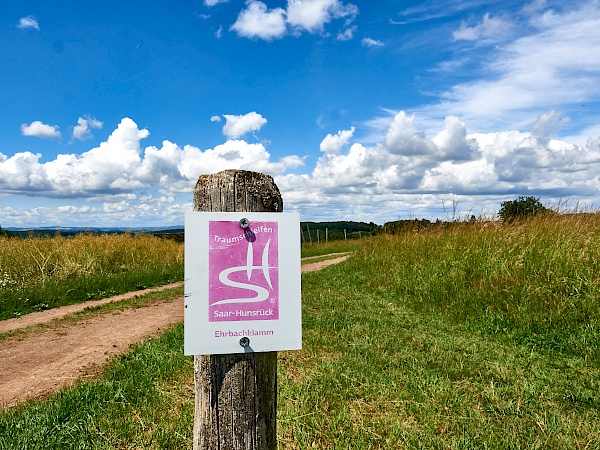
point(376, 373)
point(325, 248)
point(472, 336)
point(137, 301)
point(55, 293)
point(141, 401)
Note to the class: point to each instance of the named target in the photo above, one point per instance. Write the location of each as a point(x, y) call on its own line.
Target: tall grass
point(537, 281)
point(466, 336)
point(40, 273)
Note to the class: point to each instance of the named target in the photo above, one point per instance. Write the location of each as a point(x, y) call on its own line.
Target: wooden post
point(236, 395)
point(318, 238)
point(302, 234)
point(326, 234)
point(309, 236)
point(345, 236)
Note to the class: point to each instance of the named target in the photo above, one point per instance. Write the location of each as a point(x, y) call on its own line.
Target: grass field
point(466, 336)
point(43, 273)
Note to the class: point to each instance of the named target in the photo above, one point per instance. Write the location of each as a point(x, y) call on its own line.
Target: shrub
point(520, 208)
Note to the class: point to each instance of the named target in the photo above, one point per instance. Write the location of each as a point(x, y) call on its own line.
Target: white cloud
point(369, 42)
point(403, 138)
point(549, 124)
point(312, 15)
point(452, 142)
point(407, 170)
point(347, 34)
point(554, 66)
point(219, 32)
point(40, 130)
point(120, 164)
point(333, 144)
point(211, 3)
point(215, 119)
point(257, 22)
point(237, 126)
point(28, 22)
point(82, 131)
point(490, 28)
point(419, 173)
point(534, 6)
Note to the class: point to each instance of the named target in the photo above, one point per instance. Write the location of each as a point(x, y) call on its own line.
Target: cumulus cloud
point(215, 119)
point(83, 130)
point(256, 21)
point(40, 130)
point(452, 142)
point(489, 28)
point(312, 15)
point(369, 42)
point(211, 3)
point(333, 144)
point(407, 170)
point(403, 137)
point(237, 126)
point(121, 165)
point(28, 22)
point(412, 170)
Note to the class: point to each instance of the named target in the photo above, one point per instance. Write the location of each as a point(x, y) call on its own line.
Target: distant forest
point(311, 231)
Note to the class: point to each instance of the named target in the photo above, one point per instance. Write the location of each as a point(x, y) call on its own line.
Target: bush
point(6, 233)
point(520, 208)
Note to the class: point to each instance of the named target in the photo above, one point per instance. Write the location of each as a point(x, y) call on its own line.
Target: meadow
point(462, 336)
point(40, 273)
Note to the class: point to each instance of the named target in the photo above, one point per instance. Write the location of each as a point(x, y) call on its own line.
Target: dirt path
point(38, 363)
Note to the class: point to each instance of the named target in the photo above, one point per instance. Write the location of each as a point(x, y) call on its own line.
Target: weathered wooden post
point(236, 394)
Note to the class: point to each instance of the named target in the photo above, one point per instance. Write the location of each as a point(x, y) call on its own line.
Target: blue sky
point(371, 111)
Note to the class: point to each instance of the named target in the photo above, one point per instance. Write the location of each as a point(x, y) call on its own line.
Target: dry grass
point(25, 262)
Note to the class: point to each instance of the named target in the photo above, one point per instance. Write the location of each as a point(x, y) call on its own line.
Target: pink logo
point(243, 271)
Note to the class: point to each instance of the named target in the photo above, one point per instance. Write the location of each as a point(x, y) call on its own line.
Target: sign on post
point(242, 282)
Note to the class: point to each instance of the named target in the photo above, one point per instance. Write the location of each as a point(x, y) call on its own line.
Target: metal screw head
point(244, 342)
point(244, 223)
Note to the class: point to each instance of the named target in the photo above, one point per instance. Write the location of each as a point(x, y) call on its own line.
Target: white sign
point(242, 282)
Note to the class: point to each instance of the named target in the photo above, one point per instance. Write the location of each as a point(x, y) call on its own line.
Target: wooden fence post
point(236, 395)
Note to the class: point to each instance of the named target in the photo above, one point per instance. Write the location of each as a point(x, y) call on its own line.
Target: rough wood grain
point(236, 395)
